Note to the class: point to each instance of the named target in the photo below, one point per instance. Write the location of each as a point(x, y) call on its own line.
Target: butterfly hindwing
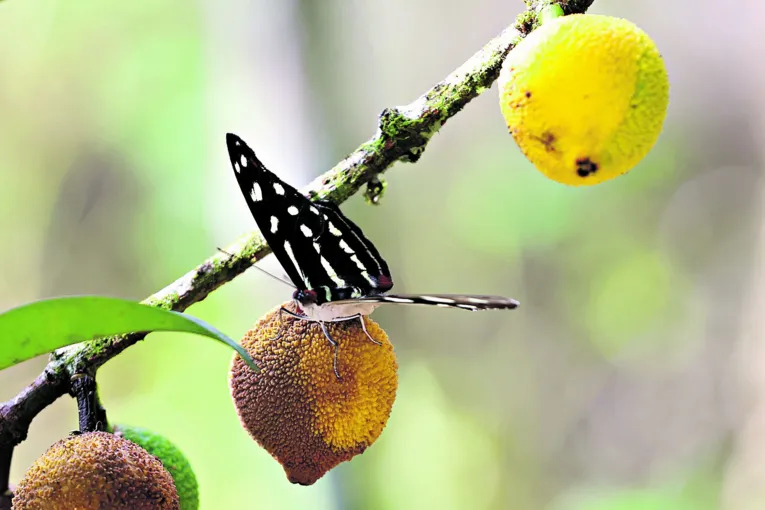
point(353, 257)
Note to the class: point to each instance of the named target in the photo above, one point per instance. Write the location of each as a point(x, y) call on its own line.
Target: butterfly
point(338, 273)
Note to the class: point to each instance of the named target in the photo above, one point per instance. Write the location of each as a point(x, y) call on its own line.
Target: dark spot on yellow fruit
point(528, 94)
point(548, 140)
point(585, 167)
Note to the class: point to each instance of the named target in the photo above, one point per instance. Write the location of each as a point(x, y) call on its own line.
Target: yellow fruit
point(172, 459)
point(94, 471)
point(585, 97)
point(296, 408)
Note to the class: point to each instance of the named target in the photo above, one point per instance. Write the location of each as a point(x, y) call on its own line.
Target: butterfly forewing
point(269, 200)
point(316, 244)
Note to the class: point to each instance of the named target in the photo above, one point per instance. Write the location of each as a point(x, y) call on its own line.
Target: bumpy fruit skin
point(297, 409)
point(585, 97)
point(94, 471)
point(172, 459)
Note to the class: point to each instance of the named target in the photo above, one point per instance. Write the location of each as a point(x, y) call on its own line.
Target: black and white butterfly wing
point(353, 257)
point(315, 243)
point(269, 200)
point(472, 302)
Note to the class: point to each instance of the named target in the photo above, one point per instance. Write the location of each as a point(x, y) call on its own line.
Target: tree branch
point(402, 135)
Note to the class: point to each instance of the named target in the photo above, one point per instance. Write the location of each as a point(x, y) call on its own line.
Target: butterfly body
point(332, 312)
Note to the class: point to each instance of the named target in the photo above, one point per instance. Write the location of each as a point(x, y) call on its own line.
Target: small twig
point(375, 190)
point(403, 133)
point(6, 492)
point(6, 454)
point(6, 499)
point(92, 415)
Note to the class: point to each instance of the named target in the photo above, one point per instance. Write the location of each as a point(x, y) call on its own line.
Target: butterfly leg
point(291, 314)
point(363, 325)
point(324, 330)
point(364, 329)
point(334, 345)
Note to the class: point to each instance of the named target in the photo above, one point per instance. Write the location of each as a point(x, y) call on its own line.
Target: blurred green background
point(630, 378)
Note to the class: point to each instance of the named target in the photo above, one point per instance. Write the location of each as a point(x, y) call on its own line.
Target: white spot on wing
point(292, 210)
point(244, 161)
point(331, 272)
point(434, 299)
point(278, 188)
point(370, 280)
point(306, 231)
point(334, 230)
point(359, 237)
point(291, 255)
point(314, 210)
point(345, 247)
point(442, 305)
point(256, 194)
point(236, 167)
point(358, 262)
point(479, 301)
point(275, 226)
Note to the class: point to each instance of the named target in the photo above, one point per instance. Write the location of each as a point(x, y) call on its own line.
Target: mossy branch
point(403, 133)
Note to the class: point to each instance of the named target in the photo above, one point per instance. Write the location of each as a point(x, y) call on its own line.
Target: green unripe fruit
point(171, 457)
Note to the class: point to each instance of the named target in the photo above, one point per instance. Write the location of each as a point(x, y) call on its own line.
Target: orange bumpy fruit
point(297, 409)
point(585, 97)
point(94, 471)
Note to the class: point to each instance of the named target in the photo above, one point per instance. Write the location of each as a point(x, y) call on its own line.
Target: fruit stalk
point(91, 414)
point(6, 454)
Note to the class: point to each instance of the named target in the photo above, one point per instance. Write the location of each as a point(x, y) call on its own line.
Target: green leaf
point(44, 326)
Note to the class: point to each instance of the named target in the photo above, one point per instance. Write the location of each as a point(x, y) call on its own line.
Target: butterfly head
point(305, 297)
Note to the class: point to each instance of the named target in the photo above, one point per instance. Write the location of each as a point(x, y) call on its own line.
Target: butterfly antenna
point(285, 282)
point(282, 280)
